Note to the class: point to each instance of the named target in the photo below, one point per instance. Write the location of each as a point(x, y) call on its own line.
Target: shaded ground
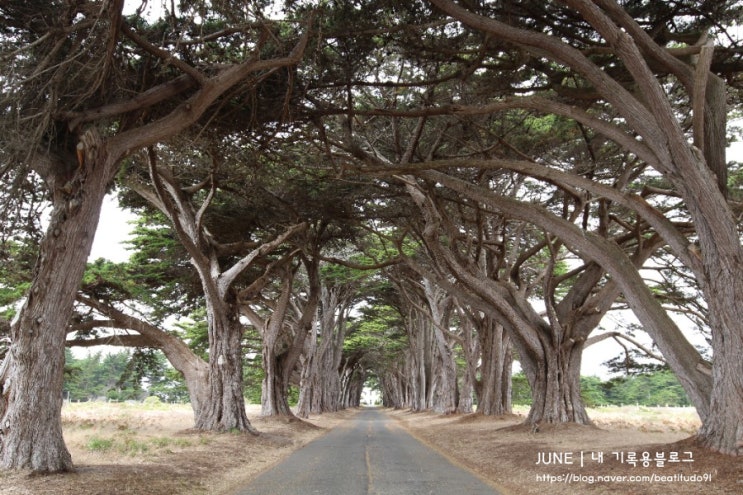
point(131, 449)
point(506, 453)
point(150, 451)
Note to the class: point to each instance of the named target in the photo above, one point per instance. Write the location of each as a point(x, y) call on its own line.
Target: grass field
point(657, 419)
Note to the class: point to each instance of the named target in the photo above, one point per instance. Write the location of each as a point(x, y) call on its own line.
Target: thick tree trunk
point(719, 268)
point(396, 388)
point(465, 401)
point(555, 382)
point(223, 408)
point(420, 368)
point(275, 393)
point(722, 429)
point(391, 396)
point(444, 398)
point(31, 431)
point(282, 349)
point(320, 387)
point(720, 271)
point(494, 387)
point(32, 373)
point(280, 356)
point(309, 385)
point(326, 395)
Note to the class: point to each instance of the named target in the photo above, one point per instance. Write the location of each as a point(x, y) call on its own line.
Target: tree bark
point(543, 350)
point(555, 386)
point(32, 373)
point(697, 174)
point(320, 389)
point(683, 358)
point(275, 392)
point(471, 355)
point(282, 348)
point(723, 429)
point(419, 365)
point(444, 387)
point(223, 407)
point(352, 381)
point(494, 386)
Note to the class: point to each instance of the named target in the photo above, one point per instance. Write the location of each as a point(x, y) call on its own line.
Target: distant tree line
point(121, 376)
point(135, 375)
point(657, 388)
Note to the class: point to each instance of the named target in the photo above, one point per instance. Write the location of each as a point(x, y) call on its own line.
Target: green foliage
point(253, 375)
point(96, 376)
point(106, 280)
point(659, 388)
point(520, 390)
point(334, 274)
point(293, 395)
point(158, 270)
point(194, 331)
point(16, 262)
point(592, 391)
point(380, 331)
point(735, 181)
point(122, 376)
point(170, 387)
point(98, 444)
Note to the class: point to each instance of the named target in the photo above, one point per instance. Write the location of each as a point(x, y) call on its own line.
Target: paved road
point(368, 455)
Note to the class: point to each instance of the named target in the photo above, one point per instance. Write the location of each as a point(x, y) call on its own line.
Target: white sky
point(113, 230)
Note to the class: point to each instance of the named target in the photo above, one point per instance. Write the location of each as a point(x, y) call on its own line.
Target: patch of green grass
point(99, 444)
point(163, 442)
point(132, 446)
point(129, 444)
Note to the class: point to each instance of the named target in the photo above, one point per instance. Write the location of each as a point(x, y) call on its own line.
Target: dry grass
point(504, 452)
point(150, 449)
point(652, 419)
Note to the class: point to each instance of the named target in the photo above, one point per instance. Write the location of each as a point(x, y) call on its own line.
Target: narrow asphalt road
point(368, 455)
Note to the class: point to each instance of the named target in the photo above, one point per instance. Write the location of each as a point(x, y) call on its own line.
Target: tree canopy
point(418, 191)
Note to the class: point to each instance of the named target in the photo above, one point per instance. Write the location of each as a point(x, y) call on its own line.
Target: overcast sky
point(113, 230)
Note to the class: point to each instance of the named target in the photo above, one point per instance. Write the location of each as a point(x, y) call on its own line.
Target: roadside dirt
point(153, 452)
point(583, 459)
point(118, 450)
